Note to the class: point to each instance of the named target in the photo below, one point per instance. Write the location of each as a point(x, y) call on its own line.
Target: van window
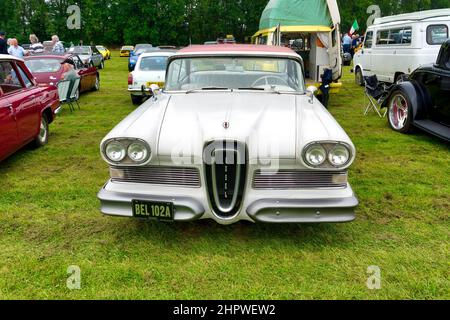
point(369, 40)
point(437, 34)
point(397, 36)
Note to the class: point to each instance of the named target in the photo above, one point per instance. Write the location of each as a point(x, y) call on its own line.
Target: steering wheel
point(267, 80)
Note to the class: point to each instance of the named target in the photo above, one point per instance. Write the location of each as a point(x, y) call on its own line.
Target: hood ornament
point(226, 125)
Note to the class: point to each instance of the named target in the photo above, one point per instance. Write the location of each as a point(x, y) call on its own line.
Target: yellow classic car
point(104, 51)
point(125, 51)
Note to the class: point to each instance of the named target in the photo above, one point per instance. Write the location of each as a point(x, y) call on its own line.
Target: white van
point(398, 45)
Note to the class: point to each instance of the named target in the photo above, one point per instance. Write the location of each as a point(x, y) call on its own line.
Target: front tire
point(136, 99)
point(400, 112)
point(359, 79)
point(97, 83)
point(102, 65)
point(42, 138)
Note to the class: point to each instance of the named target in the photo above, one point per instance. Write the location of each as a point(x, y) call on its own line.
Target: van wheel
point(136, 99)
point(400, 112)
point(359, 79)
point(42, 138)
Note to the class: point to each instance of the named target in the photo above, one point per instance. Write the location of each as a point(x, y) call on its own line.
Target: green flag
point(355, 27)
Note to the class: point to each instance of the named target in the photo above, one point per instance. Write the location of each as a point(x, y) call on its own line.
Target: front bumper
point(193, 204)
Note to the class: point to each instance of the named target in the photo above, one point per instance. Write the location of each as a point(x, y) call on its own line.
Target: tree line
point(165, 22)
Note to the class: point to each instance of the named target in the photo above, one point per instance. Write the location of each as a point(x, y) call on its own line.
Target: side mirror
point(310, 92)
point(152, 91)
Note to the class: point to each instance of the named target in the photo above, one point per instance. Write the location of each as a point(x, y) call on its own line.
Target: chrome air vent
point(170, 176)
point(299, 179)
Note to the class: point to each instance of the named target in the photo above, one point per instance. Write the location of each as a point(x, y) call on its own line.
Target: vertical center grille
point(225, 171)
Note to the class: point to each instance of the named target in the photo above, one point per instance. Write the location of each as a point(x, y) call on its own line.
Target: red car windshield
point(43, 65)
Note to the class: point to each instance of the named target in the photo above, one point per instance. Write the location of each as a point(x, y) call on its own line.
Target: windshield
point(153, 64)
point(101, 48)
point(43, 65)
point(245, 73)
point(80, 50)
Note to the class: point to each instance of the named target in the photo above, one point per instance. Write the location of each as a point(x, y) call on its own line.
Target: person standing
point(16, 50)
point(36, 47)
point(58, 47)
point(347, 43)
point(3, 44)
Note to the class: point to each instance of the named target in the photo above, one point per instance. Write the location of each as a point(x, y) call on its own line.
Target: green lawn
point(50, 219)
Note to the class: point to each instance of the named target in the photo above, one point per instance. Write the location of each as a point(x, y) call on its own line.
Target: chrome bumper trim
point(303, 211)
point(119, 204)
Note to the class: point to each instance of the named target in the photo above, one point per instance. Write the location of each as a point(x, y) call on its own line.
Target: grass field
point(49, 220)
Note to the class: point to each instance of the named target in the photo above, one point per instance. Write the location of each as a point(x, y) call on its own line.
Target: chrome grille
point(299, 179)
point(171, 176)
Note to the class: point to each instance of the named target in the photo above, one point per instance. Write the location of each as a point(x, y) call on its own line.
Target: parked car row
point(29, 99)
point(26, 109)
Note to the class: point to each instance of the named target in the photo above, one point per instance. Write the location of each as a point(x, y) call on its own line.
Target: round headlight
point(315, 155)
point(115, 151)
point(339, 156)
point(138, 152)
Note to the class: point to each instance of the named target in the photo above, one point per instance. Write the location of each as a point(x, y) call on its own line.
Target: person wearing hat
point(3, 44)
point(69, 72)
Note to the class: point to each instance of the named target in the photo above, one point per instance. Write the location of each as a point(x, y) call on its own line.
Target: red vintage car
point(47, 70)
point(26, 109)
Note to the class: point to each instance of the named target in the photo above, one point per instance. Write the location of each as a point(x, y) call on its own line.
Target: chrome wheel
point(359, 77)
point(398, 112)
point(97, 84)
point(43, 131)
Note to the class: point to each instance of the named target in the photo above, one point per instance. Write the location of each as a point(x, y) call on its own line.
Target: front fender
point(412, 92)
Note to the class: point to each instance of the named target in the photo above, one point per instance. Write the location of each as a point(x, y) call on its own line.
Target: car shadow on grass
point(209, 232)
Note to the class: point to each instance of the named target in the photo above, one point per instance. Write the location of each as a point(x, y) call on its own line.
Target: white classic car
point(235, 135)
point(150, 69)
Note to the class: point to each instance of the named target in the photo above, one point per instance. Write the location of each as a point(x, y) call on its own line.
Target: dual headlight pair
point(325, 154)
point(119, 150)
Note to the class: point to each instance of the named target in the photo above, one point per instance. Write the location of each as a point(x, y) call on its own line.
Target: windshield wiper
point(252, 89)
point(206, 89)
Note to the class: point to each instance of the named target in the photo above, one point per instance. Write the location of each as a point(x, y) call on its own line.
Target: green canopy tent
point(296, 13)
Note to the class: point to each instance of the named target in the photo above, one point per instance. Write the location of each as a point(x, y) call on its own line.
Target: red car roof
point(49, 56)
point(235, 48)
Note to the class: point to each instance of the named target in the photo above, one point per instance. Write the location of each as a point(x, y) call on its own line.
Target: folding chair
point(376, 92)
point(63, 92)
point(73, 94)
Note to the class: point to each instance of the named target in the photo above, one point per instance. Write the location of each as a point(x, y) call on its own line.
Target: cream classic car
point(234, 136)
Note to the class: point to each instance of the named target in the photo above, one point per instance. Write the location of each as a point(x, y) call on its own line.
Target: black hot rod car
point(423, 100)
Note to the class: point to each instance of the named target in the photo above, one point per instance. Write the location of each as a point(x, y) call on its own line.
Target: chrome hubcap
point(43, 131)
point(97, 83)
point(398, 112)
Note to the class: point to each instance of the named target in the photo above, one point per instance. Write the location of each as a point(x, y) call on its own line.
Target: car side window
point(9, 80)
point(28, 83)
point(437, 34)
point(398, 36)
point(369, 40)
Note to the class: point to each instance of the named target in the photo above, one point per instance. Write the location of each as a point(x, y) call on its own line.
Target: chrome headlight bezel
point(127, 160)
point(329, 147)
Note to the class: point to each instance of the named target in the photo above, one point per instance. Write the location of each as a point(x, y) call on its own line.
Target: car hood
point(84, 57)
point(271, 125)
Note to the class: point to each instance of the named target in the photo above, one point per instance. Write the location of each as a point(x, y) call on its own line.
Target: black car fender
point(412, 93)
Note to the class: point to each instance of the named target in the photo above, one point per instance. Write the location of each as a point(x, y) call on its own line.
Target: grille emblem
point(226, 175)
point(226, 125)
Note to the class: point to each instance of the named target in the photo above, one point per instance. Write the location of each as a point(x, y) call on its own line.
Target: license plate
point(159, 84)
point(163, 211)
